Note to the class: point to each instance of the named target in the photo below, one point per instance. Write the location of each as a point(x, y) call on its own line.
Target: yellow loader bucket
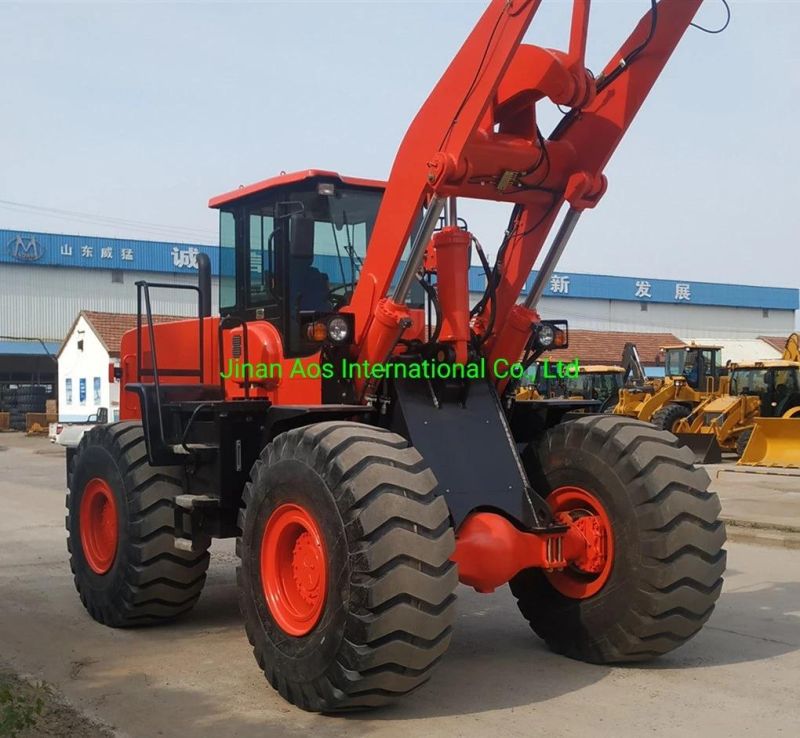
point(774, 442)
point(704, 446)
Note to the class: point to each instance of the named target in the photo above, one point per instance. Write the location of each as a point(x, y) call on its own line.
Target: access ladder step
point(190, 448)
point(190, 502)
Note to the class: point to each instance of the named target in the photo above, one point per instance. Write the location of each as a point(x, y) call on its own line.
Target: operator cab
point(776, 383)
point(593, 382)
point(292, 248)
point(696, 364)
point(597, 383)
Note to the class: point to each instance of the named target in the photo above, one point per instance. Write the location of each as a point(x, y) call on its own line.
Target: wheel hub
point(294, 569)
point(594, 557)
point(99, 527)
point(583, 511)
point(307, 564)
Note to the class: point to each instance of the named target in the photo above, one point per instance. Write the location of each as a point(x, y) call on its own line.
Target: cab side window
point(261, 259)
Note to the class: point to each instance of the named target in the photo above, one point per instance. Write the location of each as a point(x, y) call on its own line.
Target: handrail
point(143, 288)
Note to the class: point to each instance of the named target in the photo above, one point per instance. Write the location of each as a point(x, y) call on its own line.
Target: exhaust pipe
point(204, 284)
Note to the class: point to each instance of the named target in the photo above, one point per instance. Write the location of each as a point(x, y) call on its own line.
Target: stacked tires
point(7, 397)
point(20, 401)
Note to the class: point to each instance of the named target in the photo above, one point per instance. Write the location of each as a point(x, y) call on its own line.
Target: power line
point(94, 219)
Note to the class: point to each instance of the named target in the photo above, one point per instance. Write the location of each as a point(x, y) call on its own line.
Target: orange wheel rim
point(99, 526)
point(294, 569)
point(581, 579)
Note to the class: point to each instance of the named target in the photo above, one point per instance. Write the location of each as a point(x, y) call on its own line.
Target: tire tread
point(682, 558)
point(402, 580)
point(161, 582)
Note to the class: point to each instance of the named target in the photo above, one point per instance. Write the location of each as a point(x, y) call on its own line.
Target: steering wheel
point(336, 300)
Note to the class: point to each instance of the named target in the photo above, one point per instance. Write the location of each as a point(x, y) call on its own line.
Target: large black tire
point(389, 600)
point(150, 580)
point(668, 416)
point(742, 441)
point(668, 542)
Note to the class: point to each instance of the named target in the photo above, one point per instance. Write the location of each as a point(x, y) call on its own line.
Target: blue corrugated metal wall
point(89, 252)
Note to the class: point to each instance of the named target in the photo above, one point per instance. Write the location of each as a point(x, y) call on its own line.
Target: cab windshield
point(307, 248)
point(595, 386)
point(694, 363)
point(676, 362)
point(297, 250)
point(759, 381)
point(749, 381)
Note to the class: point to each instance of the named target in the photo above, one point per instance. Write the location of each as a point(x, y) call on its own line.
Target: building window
point(643, 307)
point(765, 313)
point(117, 276)
point(68, 391)
point(82, 391)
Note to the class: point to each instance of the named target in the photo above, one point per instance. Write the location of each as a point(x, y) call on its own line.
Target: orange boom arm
point(477, 137)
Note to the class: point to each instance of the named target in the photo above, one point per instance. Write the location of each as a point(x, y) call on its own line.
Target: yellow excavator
point(691, 376)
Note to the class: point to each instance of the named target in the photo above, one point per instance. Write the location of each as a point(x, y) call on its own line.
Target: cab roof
point(766, 364)
point(690, 346)
point(291, 178)
point(591, 368)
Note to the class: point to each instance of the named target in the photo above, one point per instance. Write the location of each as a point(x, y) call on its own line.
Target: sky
point(134, 114)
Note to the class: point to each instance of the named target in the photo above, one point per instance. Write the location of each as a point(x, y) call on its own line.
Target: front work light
point(546, 336)
point(338, 329)
point(333, 328)
point(550, 334)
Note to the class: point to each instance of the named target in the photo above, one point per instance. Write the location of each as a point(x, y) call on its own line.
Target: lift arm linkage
point(476, 136)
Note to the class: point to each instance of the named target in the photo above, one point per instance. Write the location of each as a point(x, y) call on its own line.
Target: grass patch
point(29, 709)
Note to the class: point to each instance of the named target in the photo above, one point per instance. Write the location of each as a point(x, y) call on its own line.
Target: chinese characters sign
point(50, 249)
point(643, 291)
point(559, 284)
point(185, 258)
point(683, 291)
point(622, 288)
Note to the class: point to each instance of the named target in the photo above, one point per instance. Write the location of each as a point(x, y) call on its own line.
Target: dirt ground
point(198, 677)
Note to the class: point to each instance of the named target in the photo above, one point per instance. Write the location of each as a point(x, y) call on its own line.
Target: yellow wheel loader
point(718, 424)
point(774, 439)
point(691, 376)
point(760, 399)
point(592, 382)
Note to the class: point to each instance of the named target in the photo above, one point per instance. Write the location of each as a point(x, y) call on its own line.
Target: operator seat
point(783, 399)
point(309, 287)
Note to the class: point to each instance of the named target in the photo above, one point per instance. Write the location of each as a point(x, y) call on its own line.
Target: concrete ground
point(198, 677)
point(759, 503)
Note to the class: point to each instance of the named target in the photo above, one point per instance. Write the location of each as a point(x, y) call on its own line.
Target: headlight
point(338, 330)
point(550, 334)
point(546, 336)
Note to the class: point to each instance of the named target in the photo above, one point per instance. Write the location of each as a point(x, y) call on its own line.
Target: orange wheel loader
point(350, 419)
